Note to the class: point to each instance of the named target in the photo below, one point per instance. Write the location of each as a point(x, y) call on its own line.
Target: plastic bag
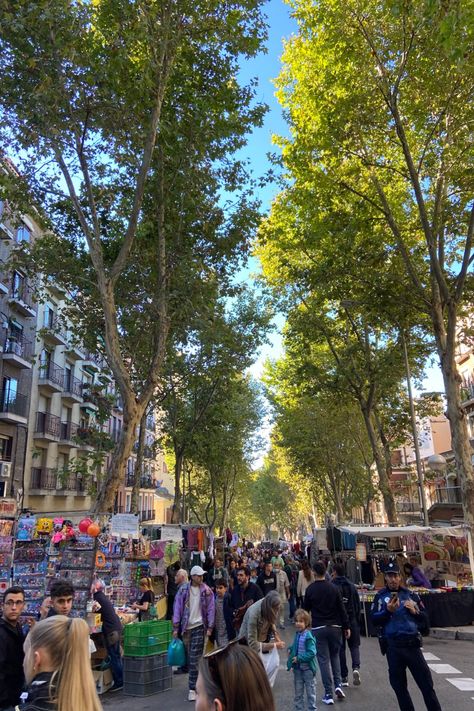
point(271, 662)
point(176, 653)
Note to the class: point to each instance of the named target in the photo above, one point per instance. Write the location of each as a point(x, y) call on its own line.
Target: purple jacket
point(181, 607)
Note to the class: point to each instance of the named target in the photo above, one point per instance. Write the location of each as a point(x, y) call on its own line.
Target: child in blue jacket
point(302, 659)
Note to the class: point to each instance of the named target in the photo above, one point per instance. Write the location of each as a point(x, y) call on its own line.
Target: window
point(48, 320)
point(6, 448)
point(10, 389)
point(18, 285)
point(2, 489)
point(23, 233)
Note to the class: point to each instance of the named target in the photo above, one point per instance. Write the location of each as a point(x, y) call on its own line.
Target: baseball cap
point(197, 570)
point(392, 568)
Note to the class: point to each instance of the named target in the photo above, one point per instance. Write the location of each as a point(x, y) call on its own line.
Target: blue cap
point(392, 568)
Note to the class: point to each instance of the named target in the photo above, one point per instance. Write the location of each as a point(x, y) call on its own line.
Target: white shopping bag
point(271, 662)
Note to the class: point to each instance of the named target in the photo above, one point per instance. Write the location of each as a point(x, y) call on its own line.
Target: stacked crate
point(145, 663)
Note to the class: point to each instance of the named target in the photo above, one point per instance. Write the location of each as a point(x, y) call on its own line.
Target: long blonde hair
point(66, 642)
point(146, 583)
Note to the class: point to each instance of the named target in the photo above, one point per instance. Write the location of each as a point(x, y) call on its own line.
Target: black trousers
point(399, 660)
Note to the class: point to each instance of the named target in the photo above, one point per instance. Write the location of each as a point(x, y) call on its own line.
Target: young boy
point(223, 627)
point(302, 659)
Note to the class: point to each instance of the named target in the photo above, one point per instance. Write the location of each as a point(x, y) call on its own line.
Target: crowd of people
point(228, 615)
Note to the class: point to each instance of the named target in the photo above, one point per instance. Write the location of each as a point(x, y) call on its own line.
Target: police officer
point(400, 614)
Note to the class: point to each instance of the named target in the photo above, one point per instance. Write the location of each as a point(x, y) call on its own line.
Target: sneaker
point(345, 682)
point(192, 695)
point(339, 693)
point(116, 688)
point(181, 670)
point(328, 700)
point(356, 677)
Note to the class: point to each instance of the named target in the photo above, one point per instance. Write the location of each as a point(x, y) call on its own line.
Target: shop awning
point(391, 531)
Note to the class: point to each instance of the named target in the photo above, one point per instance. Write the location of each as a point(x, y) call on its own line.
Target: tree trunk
point(115, 474)
point(446, 342)
point(178, 468)
point(384, 482)
point(135, 499)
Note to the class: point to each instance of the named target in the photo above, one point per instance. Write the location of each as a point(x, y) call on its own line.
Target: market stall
point(446, 556)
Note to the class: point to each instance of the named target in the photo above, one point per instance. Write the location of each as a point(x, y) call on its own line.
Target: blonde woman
point(146, 601)
point(57, 667)
point(305, 578)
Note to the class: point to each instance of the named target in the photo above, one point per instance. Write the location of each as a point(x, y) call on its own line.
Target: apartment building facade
point(55, 442)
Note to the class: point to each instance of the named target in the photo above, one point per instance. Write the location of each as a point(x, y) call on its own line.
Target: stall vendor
point(111, 630)
point(415, 576)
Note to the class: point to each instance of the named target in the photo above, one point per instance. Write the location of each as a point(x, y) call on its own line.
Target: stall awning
point(391, 531)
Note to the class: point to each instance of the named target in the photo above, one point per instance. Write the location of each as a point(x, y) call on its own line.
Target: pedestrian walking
point(11, 648)
point(283, 589)
point(233, 679)
point(302, 660)
point(350, 598)
point(57, 666)
point(59, 601)
point(305, 578)
point(329, 622)
point(224, 630)
point(401, 616)
point(193, 618)
point(267, 579)
point(181, 578)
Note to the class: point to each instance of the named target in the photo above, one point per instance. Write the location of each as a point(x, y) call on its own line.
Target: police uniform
point(401, 640)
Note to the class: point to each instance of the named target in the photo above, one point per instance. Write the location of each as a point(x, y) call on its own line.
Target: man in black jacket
point(350, 598)
point(329, 622)
point(267, 579)
point(11, 648)
point(244, 594)
point(112, 632)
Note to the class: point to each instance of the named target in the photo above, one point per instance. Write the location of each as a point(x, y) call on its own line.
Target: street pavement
point(453, 672)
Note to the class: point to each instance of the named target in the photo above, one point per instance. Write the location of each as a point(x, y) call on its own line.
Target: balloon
point(93, 530)
point(84, 525)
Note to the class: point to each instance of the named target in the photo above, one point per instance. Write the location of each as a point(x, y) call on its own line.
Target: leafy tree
point(380, 101)
point(123, 117)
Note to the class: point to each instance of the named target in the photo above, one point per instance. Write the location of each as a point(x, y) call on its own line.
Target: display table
point(446, 609)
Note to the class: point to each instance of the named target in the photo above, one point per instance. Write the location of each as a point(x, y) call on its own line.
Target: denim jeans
point(328, 644)
point(304, 679)
point(113, 649)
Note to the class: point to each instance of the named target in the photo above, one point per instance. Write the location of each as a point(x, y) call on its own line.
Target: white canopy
point(391, 531)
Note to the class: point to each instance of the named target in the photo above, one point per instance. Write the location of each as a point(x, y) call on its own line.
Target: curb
point(450, 633)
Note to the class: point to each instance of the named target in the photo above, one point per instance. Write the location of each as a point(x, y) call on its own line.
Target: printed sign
point(8, 507)
point(124, 525)
point(361, 552)
point(447, 557)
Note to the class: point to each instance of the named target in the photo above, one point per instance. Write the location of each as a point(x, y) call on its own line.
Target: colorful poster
point(447, 556)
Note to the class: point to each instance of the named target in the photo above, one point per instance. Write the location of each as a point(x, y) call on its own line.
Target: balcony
point(146, 482)
point(86, 438)
point(146, 516)
point(55, 288)
point(448, 495)
point(48, 427)
point(14, 408)
point(21, 299)
point(53, 331)
point(93, 362)
point(51, 377)
point(3, 277)
point(115, 435)
point(72, 389)
point(150, 423)
point(18, 351)
point(447, 503)
point(68, 434)
point(74, 351)
point(45, 479)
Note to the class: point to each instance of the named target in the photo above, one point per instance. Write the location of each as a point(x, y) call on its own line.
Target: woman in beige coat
point(305, 578)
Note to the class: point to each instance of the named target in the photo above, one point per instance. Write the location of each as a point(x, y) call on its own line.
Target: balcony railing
point(47, 424)
point(18, 345)
point(147, 515)
point(14, 403)
point(21, 291)
point(448, 495)
point(146, 482)
point(52, 372)
point(53, 323)
point(72, 385)
point(69, 430)
point(53, 480)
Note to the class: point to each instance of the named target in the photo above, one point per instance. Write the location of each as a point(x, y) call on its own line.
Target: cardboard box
point(103, 680)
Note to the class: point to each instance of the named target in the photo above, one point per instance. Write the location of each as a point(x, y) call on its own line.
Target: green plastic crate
point(142, 639)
